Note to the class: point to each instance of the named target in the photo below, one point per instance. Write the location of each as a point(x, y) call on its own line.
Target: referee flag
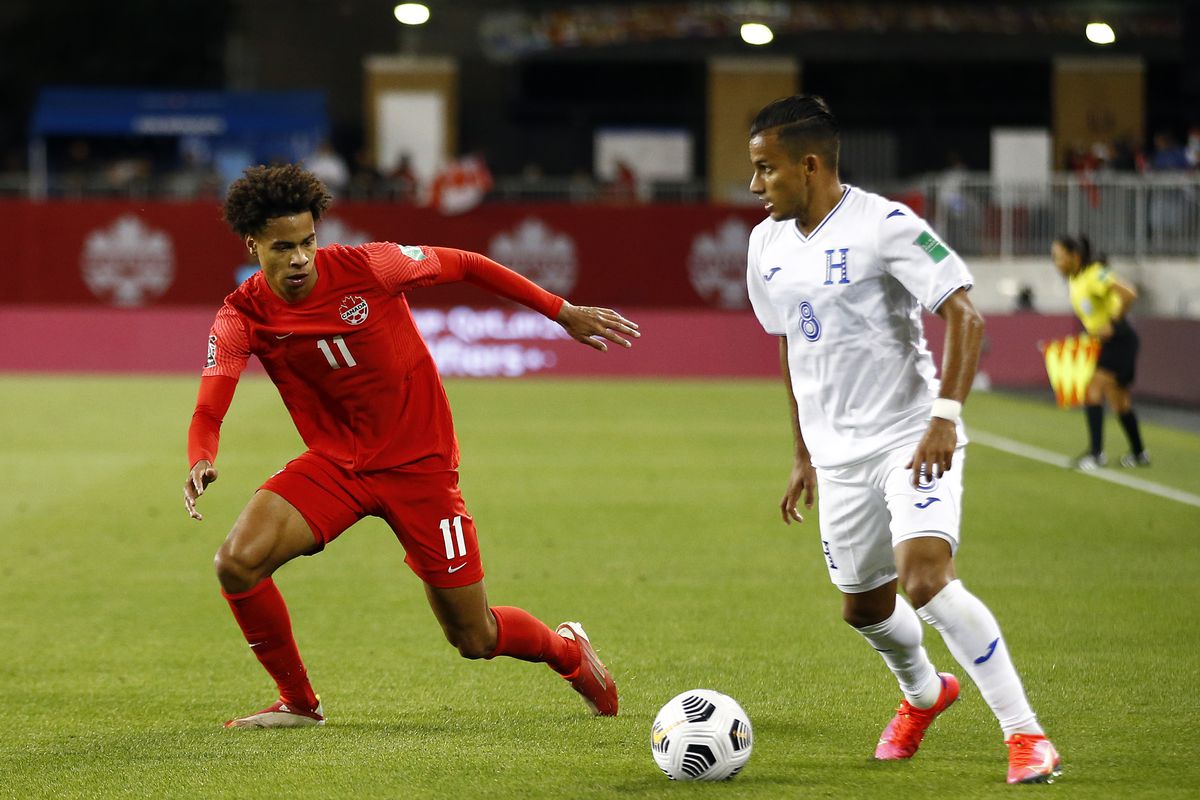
point(1070, 363)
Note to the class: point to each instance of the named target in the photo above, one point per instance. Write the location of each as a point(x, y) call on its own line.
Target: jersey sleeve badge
point(932, 247)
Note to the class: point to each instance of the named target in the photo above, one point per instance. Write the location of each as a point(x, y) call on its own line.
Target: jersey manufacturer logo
point(453, 570)
point(768, 275)
point(353, 309)
point(991, 649)
point(927, 503)
point(836, 267)
point(212, 352)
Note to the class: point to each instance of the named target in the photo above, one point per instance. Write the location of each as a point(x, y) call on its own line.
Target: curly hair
point(263, 193)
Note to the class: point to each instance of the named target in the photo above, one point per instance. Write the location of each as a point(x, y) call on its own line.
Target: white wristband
point(945, 408)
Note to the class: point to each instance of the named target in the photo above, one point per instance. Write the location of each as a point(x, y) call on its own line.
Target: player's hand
point(935, 453)
point(803, 482)
point(202, 474)
point(593, 325)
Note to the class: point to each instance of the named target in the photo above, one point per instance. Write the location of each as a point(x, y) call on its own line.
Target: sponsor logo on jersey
point(129, 264)
point(353, 309)
point(717, 264)
point(932, 247)
point(540, 253)
point(211, 361)
point(413, 251)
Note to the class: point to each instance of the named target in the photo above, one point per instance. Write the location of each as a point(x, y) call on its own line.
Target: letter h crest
point(839, 266)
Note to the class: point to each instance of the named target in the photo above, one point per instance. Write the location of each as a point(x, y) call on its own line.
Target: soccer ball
point(701, 735)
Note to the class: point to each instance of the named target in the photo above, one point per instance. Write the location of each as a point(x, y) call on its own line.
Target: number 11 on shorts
point(457, 538)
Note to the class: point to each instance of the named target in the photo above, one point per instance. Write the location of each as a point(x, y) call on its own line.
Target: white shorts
point(866, 509)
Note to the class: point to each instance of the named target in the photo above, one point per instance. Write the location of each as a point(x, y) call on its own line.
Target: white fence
point(1132, 216)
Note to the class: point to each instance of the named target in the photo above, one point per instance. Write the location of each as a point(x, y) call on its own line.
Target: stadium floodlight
point(1100, 33)
point(756, 33)
point(412, 13)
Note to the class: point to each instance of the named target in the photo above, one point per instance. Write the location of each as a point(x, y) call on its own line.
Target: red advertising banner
point(510, 342)
point(138, 255)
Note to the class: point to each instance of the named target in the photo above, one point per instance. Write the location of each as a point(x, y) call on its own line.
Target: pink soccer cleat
point(591, 679)
point(1032, 759)
point(903, 735)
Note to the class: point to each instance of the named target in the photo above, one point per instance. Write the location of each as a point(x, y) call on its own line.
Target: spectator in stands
point(1168, 154)
point(403, 185)
point(1192, 149)
point(330, 167)
point(624, 186)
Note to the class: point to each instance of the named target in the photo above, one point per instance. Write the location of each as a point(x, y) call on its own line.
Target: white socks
point(898, 640)
point(973, 637)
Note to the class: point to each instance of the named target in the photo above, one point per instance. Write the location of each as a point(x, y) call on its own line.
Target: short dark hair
point(1078, 245)
point(804, 123)
point(263, 193)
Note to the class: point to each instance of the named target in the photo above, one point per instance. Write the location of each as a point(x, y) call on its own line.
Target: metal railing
point(1124, 214)
point(1131, 215)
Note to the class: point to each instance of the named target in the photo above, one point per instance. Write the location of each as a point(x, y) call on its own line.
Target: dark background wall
point(937, 93)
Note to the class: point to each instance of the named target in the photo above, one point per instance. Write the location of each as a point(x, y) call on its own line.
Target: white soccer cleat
point(279, 715)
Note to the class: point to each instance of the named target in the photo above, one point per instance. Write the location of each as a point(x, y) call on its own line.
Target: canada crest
point(353, 309)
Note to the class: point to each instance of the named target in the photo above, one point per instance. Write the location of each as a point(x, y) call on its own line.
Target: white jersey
point(848, 298)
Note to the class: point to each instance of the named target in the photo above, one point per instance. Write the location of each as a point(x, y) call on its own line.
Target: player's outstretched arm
point(592, 326)
point(201, 475)
point(964, 339)
point(204, 434)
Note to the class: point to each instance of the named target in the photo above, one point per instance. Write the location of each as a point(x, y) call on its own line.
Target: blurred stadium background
point(597, 147)
point(600, 148)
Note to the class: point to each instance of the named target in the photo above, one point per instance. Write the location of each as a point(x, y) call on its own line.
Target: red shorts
point(424, 509)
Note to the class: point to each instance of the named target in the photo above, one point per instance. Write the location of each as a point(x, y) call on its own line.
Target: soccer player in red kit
point(333, 329)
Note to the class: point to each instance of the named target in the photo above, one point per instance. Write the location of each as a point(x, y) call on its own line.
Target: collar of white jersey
point(796, 228)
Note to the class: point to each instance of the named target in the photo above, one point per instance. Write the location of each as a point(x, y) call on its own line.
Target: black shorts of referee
point(1118, 354)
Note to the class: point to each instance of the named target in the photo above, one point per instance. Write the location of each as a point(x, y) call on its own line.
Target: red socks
point(521, 635)
point(263, 617)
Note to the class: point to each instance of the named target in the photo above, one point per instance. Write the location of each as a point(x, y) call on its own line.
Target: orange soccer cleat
point(1032, 759)
point(279, 715)
point(903, 735)
point(591, 679)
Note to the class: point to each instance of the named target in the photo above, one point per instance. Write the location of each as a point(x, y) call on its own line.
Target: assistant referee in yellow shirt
point(1101, 300)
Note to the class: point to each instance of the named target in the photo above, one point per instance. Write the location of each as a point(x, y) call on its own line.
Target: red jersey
point(348, 360)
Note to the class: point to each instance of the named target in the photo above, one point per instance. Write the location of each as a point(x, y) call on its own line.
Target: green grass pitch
point(647, 510)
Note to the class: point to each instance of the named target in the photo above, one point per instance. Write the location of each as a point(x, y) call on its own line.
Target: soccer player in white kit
point(841, 275)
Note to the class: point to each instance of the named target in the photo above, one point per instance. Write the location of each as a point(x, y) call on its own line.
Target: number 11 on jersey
point(457, 539)
point(324, 347)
